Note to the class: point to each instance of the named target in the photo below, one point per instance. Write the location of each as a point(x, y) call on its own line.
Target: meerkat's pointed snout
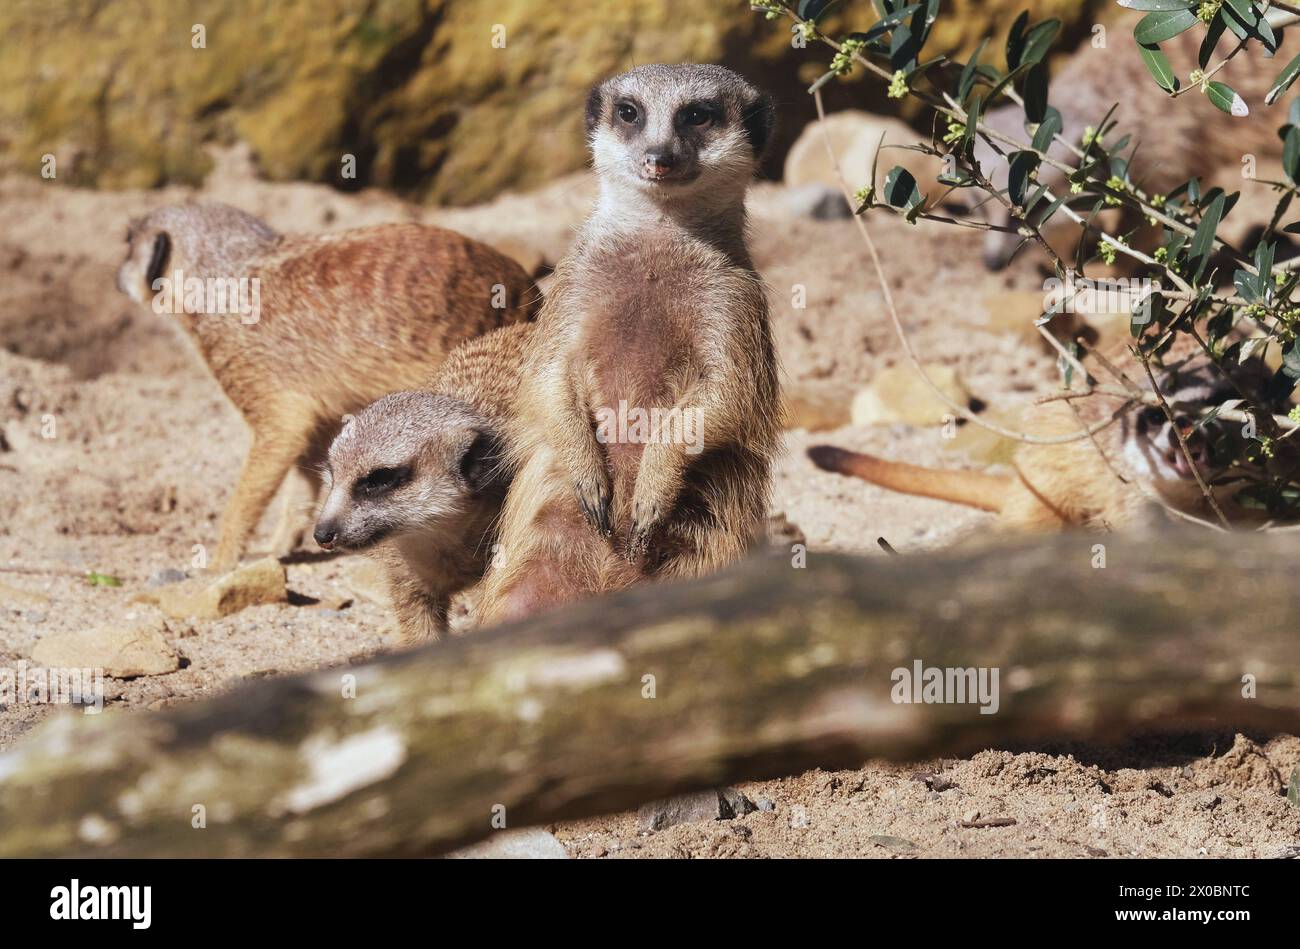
point(326, 534)
point(657, 163)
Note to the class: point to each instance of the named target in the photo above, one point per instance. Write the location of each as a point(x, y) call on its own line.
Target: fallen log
point(765, 670)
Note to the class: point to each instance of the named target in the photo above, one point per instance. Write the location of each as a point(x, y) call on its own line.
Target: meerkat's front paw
point(594, 498)
point(646, 517)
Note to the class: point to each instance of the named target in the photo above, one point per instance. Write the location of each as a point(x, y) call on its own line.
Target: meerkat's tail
point(972, 488)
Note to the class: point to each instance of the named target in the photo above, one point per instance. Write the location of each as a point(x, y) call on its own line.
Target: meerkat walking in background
point(336, 321)
point(419, 478)
point(1102, 485)
point(649, 409)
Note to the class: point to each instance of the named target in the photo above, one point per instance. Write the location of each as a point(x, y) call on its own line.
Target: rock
point(855, 137)
point(14, 598)
point(122, 652)
point(765, 805)
point(816, 406)
point(821, 202)
point(259, 582)
point(899, 394)
point(892, 844)
point(161, 578)
point(431, 98)
point(367, 580)
point(724, 804)
point(531, 843)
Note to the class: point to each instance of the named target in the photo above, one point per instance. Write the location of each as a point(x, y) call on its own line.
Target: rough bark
point(765, 670)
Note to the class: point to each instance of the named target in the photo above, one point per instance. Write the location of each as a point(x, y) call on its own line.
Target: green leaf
point(1150, 5)
point(1035, 93)
point(1293, 788)
point(1291, 153)
point(1211, 40)
point(1158, 65)
point(813, 9)
point(1163, 25)
point(887, 23)
point(1223, 96)
point(1051, 209)
point(1283, 81)
point(102, 579)
point(1016, 39)
point(1047, 130)
point(901, 190)
point(968, 72)
point(1203, 240)
point(1241, 18)
point(1022, 165)
point(972, 121)
point(1246, 284)
point(1039, 40)
point(903, 48)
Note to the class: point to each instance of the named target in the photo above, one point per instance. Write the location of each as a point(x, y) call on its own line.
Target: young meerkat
point(1106, 485)
point(418, 478)
point(337, 320)
point(649, 409)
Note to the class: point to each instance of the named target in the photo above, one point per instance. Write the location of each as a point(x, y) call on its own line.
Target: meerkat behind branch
point(656, 312)
point(335, 321)
point(418, 478)
point(1108, 484)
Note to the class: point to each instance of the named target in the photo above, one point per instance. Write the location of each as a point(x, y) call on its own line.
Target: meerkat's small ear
point(480, 466)
point(759, 117)
point(595, 103)
point(162, 252)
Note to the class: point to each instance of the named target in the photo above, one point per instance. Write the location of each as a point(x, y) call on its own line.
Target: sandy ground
point(145, 450)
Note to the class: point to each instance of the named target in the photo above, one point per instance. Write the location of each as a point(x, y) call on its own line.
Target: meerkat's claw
point(595, 509)
point(638, 542)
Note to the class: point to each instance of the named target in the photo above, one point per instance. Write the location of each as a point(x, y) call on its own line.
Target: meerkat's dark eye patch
point(481, 463)
point(380, 481)
point(1150, 417)
point(759, 119)
point(162, 251)
point(699, 115)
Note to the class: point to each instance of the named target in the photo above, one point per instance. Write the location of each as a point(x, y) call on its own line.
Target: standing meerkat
point(1073, 484)
point(649, 408)
point(336, 321)
point(418, 479)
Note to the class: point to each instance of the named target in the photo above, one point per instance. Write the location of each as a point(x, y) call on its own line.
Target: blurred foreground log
point(765, 670)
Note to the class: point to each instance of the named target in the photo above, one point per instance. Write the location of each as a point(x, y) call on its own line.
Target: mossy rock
point(118, 92)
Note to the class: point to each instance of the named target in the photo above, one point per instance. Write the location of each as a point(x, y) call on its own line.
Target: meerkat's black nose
point(325, 535)
point(658, 163)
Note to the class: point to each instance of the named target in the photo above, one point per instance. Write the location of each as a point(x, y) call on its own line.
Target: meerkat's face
point(410, 463)
point(148, 253)
point(1152, 447)
point(213, 238)
point(678, 131)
